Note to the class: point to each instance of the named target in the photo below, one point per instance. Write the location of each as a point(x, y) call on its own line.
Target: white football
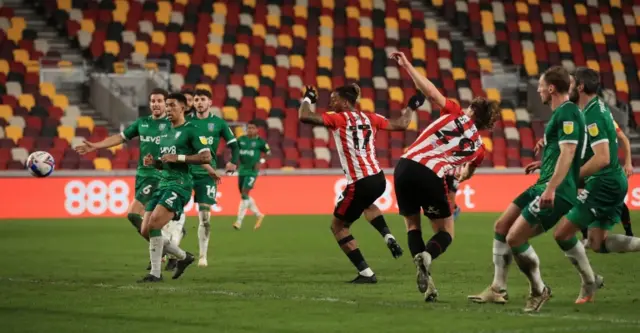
point(40, 164)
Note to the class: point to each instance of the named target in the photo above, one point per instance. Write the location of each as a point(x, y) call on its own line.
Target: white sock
point(368, 272)
point(578, 257)
point(156, 245)
point(176, 231)
point(242, 210)
point(502, 258)
point(204, 229)
point(621, 243)
point(529, 264)
point(174, 249)
point(253, 207)
point(387, 237)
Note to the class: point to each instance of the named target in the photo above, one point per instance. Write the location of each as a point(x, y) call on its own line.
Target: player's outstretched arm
point(626, 147)
point(599, 160)
point(203, 157)
point(111, 141)
point(401, 123)
point(421, 82)
point(306, 115)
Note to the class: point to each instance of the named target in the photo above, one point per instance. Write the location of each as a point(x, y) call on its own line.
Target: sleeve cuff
point(231, 141)
point(203, 149)
point(573, 142)
point(595, 143)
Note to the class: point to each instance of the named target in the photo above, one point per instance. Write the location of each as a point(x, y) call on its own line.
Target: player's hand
point(86, 147)
point(400, 58)
point(169, 158)
point(416, 101)
point(148, 160)
point(547, 198)
point(213, 173)
point(311, 93)
point(230, 168)
point(538, 148)
point(531, 167)
point(628, 169)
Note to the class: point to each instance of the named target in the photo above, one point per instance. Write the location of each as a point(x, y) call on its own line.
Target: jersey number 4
point(466, 145)
point(360, 131)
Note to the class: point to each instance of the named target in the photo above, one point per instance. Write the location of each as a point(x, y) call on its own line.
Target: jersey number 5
point(466, 145)
point(360, 131)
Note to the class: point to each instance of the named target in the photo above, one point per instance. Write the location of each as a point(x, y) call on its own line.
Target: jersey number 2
point(355, 130)
point(445, 135)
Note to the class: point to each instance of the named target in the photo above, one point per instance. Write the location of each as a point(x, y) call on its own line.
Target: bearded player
point(450, 141)
point(354, 132)
point(181, 146)
point(252, 146)
point(204, 179)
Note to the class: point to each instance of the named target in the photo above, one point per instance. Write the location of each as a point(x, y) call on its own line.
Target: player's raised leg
point(376, 219)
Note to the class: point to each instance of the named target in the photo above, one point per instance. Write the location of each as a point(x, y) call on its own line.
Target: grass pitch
point(79, 276)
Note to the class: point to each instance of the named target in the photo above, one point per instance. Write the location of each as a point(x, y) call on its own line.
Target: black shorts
point(358, 196)
point(452, 183)
point(418, 187)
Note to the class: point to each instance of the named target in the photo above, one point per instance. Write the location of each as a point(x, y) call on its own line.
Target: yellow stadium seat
point(4, 67)
point(431, 34)
point(122, 5)
point(13, 132)
point(159, 38)
point(210, 70)
point(273, 21)
point(33, 66)
point(86, 122)
point(493, 94)
point(242, 50)
point(263, 103)
point(635, 48)
point(396, 94)
point(488, 143)
point(164, 7)
point(114, 149)
point(27, 101)
point(250, 3)
point(186, 37)
point(325, 62)
point(563, 42)
point(203, 86)
point(163, 17)
point(391, 23)
point(533, 2)
point(66, 132)
point(593, 65)
point(508, 115)
point(622, 86)
point(488, 25)
point(617, 66)
point(366, 33)
point(216, 29)
point(119, 16)
point(326, 21)
point(324, 82)
point(486, 65)
point(6, 112)
point(329, 4)
point(287, 169)
point(351, 61)
point(413, 125)
point(524, 26)
point(220, 8)
point(230, 113)
point(285, 41)
point(522, 8)
point(421, 70)
point(558, 18)
point(88, 26)
point(238, 131)
point(268, 71)
point(404, 14)
point(300, 31)
point(353, 12)
point(142, 47)
point(459, 74)
point(296, 61)
point(365, 52)
point(64, 64)
point(47, 89)
point(598, 38)
point(214, 49)
point(21, 56)
point(259, 30)
point(608, 29)
point(112, 47)
point(581, 10)
point(615, 3)
point(18, 22)
point(366, 104)
point(14, 34)
point(183, 59)
point(101, 163)
point(301, 11)
point(252, 81)
point(61, 101)
point(530, 63)
point(153, 66)
point(64, 5)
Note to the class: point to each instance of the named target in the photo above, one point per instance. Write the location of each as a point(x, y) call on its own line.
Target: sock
point(176, 232)
point(529, 264)
point(173, 249)
point(136, 220)
point(358, 261)
point(416, 244)
point(253, 207)
point(381, 225)
point(204, 229)
point(576, 253)
point(626, 220)
point(621, 244)
point(242, 210)
point(502, 258)
point(438, 244)
point(585, 233)
point(156, 247)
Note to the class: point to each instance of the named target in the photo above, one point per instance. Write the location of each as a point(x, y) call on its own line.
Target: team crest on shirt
point(211, 127)
point(593, 130)
point(162, 127)
point(567, 127)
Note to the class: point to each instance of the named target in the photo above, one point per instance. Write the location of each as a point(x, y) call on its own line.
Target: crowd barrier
point(107, 196)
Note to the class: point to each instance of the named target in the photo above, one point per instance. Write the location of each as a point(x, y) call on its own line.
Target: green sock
point(567, 245)
point(500, 237)
point(136, 220)
point(521, 248)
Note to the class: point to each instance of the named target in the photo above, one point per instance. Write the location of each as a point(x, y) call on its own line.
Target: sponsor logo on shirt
point(593, 130)
point(567, 127)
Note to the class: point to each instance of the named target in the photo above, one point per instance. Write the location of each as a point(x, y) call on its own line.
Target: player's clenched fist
point(416, 101)
point(531, 167)
point(148, 160)
point(311, 94)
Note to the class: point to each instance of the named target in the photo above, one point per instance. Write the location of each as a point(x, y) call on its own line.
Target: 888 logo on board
point(96, 197)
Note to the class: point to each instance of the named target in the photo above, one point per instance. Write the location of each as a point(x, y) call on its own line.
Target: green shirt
point(149, 130)
point(566, 125)
point(212, 128)
point(250, 149)
point(182, 140)
point(602, 130)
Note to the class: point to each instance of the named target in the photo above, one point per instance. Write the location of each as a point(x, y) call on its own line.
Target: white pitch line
point(479, 309)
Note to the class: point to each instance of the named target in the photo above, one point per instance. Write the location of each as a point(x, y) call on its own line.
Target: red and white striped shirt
point(448, 142)
point(354, 133)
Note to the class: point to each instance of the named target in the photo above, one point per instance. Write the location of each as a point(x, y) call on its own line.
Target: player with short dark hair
point(452, 140)
point(190, 96)
point(354, 133)
point(252, 146)
point(181, 146)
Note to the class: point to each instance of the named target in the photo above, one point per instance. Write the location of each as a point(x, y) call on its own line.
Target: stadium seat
point(103, 164)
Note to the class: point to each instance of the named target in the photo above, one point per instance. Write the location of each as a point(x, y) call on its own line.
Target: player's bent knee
point(136, 207)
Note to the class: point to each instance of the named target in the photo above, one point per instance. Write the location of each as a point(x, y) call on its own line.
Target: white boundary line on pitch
point(480, 308)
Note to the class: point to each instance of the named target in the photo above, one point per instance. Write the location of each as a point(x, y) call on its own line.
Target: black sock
point(438, 243)
point(381, 225)
point(416, 244)
point(136, 221)
point(357, 260)
point(626, 220)
point(585, 233)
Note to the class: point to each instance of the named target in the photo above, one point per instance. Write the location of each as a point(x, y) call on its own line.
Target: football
point(40, 164)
